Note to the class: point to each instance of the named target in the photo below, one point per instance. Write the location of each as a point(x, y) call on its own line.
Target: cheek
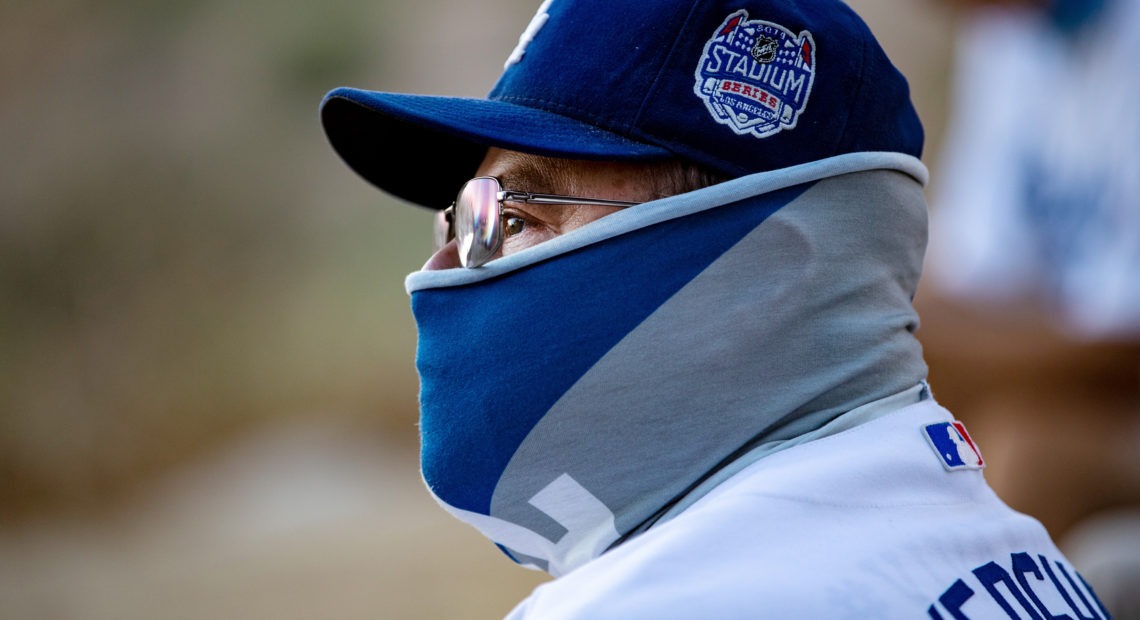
point(580, 216)
point(559, 222)
point(531, 236)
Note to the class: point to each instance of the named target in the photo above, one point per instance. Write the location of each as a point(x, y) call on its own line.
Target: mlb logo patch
point(953, 445)
point(756, 76)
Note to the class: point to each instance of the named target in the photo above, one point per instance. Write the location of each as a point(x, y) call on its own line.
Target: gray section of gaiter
point(797, 323)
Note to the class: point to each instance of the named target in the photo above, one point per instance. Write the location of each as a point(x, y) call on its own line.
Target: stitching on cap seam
point(661, 70)
point(858, 93)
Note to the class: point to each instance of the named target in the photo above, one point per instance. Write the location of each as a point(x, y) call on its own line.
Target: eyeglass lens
point(477, 221)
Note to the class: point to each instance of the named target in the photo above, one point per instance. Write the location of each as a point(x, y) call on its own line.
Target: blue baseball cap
point(738, 86)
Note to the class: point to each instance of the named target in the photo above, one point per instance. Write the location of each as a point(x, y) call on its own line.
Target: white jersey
point(889, 519)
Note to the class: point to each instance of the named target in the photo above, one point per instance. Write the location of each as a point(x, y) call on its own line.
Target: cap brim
point(422, 148)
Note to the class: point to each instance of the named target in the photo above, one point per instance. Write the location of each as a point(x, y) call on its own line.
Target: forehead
point(536, 173)
point(523, 171)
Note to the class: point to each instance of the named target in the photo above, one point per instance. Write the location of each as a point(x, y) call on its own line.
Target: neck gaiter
point(573, 392)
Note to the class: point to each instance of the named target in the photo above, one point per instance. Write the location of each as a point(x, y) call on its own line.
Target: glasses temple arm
point(554, 199)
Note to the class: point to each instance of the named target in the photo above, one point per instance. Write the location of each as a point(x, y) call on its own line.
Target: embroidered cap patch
point(953, 445)
point(756, 76)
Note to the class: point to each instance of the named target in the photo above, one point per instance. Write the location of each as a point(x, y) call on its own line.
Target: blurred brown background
point(207, 396)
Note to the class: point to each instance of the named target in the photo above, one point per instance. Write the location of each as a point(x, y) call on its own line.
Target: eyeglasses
point(476, 217)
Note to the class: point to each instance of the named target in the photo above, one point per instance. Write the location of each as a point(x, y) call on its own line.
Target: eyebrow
point(531, 176)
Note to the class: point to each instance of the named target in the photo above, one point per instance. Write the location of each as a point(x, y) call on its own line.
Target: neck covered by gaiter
point(573, 391)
